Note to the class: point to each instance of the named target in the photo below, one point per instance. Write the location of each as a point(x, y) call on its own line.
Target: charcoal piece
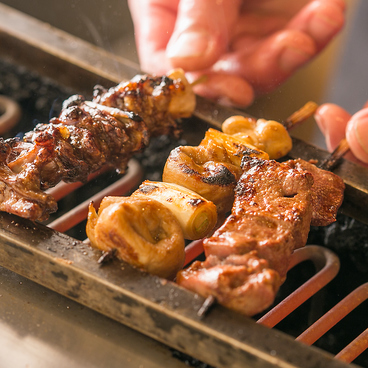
point(347, 237)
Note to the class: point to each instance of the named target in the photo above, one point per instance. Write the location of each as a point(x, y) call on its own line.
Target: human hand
point(245, 48)
point(336, 123)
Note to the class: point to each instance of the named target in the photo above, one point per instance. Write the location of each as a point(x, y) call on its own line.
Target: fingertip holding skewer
point(300, 115)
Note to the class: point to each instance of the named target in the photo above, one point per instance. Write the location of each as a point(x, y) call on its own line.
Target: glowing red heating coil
point(79, 213)
point(328, 265)
point(335, 315)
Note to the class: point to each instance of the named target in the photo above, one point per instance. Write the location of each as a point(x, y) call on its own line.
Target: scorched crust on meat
point(88, 135)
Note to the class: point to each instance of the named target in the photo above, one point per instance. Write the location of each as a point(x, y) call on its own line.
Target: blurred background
point(335, 76)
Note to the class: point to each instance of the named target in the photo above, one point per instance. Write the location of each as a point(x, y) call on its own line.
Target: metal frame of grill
point(155, 307)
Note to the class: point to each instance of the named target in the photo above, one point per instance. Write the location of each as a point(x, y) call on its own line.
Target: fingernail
point(292, 58)
point(189, 44)
point(324, 24)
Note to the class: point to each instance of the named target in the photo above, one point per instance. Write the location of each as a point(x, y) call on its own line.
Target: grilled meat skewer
point(85, 137)
point(159, 101)
point(69, 148)
point(327, 192)
point(271, 216)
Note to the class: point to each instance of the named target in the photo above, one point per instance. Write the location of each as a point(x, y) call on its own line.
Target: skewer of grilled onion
point(212, 168)
point(196, 215)
point(144, 233)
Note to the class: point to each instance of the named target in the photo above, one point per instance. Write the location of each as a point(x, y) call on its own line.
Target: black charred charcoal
point(188, 360)
point(347, 237)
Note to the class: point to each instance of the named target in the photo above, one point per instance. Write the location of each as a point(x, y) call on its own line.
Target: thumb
point(201, 32)
point(357, 135)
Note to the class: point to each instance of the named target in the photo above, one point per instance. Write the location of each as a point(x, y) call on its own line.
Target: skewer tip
point(205, 307)
point(330, 162)
point(300, 115)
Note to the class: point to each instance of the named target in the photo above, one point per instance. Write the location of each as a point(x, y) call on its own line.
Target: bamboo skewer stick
point(300, 115)
point(331, 161)
point(207, 304)
point(303, 114)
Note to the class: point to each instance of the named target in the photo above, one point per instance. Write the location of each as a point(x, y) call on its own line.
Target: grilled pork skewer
point(275, 204)
point(85, 137)
point(271, 217)
point(272, 211)
point(326, 198)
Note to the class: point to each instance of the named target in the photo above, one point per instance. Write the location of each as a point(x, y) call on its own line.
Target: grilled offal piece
point(159, 101)
point(244, 283)
point(81, 140)
point(327, 192)
point(86, 136)
point(270, 218)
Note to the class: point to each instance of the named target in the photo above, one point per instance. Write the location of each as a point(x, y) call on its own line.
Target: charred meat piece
point(69, 148)
point(243, 283)
point(248, 256)
point(158, 100)
point(88, 135)
point(327, 192)
point(271, 214)
point(20, 193)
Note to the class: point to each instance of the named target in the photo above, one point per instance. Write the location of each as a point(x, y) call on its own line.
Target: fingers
point(231, 90)
point(332, 121)
point(268, 62)
point(321, 20)
point(272, 61)
point(336, 124)
point(202, 32)
point(357, 134)
point(154, 22)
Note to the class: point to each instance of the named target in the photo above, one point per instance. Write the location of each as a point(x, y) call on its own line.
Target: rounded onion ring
point(143, 231)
